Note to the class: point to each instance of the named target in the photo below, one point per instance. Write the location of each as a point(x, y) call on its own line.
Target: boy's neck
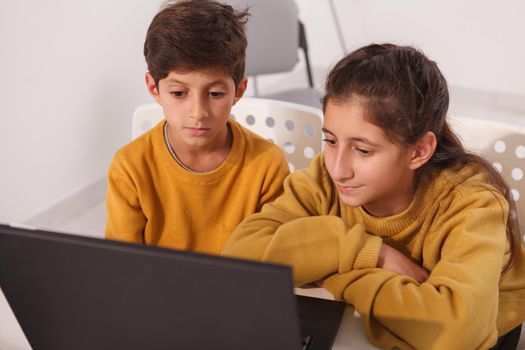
point(202, 159)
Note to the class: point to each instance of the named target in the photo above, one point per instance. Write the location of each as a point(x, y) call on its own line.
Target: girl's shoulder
point(460, 182)
point(464, 176)
point(313, 180)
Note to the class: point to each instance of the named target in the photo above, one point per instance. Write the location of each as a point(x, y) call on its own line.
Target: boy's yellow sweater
point(454, 227)
point(152, 199)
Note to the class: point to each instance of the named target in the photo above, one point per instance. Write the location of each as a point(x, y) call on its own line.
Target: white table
point(350, 336)
point(11, 335)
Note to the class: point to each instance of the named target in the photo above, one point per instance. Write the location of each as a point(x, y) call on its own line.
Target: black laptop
point(72, 292)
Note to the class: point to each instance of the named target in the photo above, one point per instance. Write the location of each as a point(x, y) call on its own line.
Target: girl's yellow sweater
point(152, 199)
point(454, 227)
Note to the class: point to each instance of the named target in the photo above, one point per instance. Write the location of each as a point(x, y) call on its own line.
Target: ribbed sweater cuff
point(367, 254)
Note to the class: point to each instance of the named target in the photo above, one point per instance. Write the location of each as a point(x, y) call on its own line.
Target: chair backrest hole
point(289, 147)
point(270, 122)
point(515, 194)
point(291, 167)
point(250, 119)
point(517, 174)
point(309, 130)
point(309, 152)
point(500, 146)
point(520, 152)
point(289, 125)
point(498, 167)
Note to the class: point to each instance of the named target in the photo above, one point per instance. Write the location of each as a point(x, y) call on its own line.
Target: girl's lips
point(348, 189)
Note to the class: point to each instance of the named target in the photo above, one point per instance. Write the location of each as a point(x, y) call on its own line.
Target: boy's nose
point(199, 108)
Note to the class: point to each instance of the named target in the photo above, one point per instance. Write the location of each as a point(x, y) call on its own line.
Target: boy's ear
point(422, 150)
point(241, 88)
point(152, 87)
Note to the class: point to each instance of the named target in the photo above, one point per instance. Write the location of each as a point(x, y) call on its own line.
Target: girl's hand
point(392, 260)
point(319, 283)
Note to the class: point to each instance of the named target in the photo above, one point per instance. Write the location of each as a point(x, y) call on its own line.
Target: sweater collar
point(232, 160)
point(390, 225)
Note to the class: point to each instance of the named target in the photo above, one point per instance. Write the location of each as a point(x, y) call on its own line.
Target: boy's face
point(367, 169)
point(197, 105)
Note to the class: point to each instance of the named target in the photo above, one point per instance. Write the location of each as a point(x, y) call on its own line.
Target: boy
point(189, 181)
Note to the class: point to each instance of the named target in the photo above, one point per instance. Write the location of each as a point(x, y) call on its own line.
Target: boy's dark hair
point(196, 34)
point(406, 95)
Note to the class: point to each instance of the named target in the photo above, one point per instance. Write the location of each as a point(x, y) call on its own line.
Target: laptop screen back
point(71, 292)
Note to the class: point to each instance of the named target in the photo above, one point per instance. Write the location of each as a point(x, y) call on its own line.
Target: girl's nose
point(342, 168)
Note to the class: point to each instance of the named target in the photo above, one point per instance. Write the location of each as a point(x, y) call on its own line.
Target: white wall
point(477, 43)
point(72, 72)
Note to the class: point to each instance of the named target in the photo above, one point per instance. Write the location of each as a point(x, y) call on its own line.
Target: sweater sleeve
point(273, 184)
point(456, 308)
point(301, 229)
point(125, 218)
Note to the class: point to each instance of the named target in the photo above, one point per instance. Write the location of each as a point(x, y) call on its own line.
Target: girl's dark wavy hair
point(406, 95)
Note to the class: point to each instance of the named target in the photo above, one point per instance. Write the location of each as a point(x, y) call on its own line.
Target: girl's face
point(366, 167)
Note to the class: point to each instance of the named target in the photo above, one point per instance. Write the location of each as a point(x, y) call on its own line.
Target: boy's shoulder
point(144, 145)
point(253, 141)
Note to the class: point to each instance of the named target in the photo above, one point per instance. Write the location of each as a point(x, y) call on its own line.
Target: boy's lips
point(196, 131)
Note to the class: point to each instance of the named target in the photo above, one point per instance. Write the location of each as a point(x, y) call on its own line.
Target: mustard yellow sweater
point(152, 199)
point(454, 227)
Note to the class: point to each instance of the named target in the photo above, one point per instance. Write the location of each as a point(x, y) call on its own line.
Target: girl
point(395, 217)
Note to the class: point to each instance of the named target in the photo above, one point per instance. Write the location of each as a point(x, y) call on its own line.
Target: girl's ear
point(241, 88)
point(152, 87)
point(423, 150)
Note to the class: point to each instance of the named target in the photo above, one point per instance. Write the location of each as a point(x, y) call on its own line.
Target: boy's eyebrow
point(177, 81)
point(358, 139)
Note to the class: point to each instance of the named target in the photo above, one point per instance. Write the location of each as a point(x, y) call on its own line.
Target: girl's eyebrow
point(326, 131)
point(358, 139)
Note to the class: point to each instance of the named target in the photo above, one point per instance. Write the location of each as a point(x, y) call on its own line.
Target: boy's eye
point(216, 93)
point(177, 93)
point(329, 142)
point(362, 151)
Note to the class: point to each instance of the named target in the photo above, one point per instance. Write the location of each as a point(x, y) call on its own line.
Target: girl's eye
point(177, 93)
point(216, 93)
point(329, 142)
point(364, 152)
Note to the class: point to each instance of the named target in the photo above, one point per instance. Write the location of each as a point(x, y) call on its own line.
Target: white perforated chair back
point(144, 118)
point(293, 127)
point(503, 145)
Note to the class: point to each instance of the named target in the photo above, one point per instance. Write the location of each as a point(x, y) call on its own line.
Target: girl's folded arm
point(457, 306)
